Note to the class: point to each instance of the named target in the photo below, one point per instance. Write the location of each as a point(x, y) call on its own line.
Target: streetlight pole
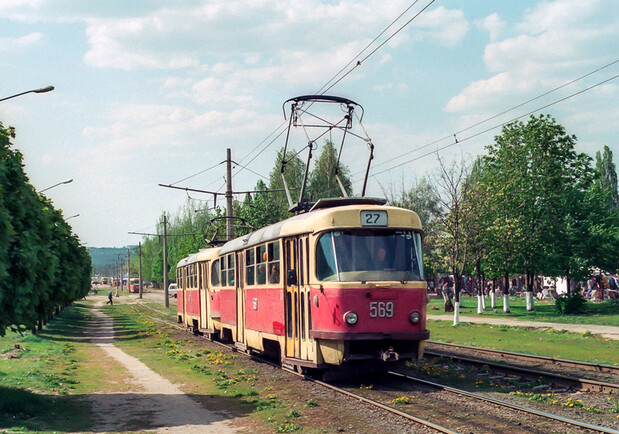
point(39, 90)
point(70, 217)
point(56, 185)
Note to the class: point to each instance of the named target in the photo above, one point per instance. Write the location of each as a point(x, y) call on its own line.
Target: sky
point(151, 92)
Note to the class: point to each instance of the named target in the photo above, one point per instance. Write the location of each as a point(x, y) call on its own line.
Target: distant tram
point(339, 286)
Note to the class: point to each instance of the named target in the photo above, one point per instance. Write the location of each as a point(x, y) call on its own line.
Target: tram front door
point(291, 299)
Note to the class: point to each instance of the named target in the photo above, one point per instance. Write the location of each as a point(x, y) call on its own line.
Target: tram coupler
point(389, 355)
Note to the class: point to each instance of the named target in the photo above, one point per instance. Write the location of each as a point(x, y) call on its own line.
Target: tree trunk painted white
point(456, 313)
point(530, 305)
point(483, 302)
point(506, 303)
point(493, 299)
point(480, 304)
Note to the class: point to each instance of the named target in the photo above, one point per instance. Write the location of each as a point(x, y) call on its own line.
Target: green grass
point(216, 378)
point(551, 343)
point(38, 389)
point(598, 313)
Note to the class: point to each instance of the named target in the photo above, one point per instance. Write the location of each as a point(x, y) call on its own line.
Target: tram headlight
point(414, 317)
point(351, 318)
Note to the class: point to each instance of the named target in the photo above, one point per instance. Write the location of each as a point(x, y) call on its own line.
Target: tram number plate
point(381, 309)
point(373, 218)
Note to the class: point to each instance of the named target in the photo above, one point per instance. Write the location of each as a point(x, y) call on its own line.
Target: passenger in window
point(262, 274)
point(274, 273)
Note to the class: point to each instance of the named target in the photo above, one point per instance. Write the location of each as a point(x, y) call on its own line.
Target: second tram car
point(340, 285)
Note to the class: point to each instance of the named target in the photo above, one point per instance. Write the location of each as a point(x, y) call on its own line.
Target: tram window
point(250, 261)
point(261, 260)
point(325, 259)
point(302, 317)
point(273, 257)
point(301, 262)
point(289, 313)
point(215, 273)
point(307, 260)
point(309, 312)
point(231, 269)
point(224, 271)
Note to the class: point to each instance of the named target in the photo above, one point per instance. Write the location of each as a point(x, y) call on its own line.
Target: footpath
point(155, 404)
point(609, 332)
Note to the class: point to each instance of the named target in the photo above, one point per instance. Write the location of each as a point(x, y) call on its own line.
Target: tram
point(340, 285)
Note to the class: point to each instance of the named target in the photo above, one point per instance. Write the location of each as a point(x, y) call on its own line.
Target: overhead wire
point(360, 62)
point(321, 92)
point(456, 133)
point(460, 140)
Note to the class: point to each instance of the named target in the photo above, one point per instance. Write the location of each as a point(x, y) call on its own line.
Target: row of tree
point(43, 266)
point(531, 205)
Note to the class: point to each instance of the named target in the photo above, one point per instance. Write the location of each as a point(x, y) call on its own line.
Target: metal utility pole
point(140, 267)
point(229, 231)
point(165, 261)
point(128, 270)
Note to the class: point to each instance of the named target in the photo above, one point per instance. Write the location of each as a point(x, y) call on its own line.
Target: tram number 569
point(381, 309)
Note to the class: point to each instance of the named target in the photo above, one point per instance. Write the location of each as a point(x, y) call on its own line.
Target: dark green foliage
point(570, 303)
point(42, 264)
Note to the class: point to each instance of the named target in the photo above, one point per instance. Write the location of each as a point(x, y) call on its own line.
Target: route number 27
point(381, 309)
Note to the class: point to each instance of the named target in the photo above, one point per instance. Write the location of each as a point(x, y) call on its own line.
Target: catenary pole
point(229, 231)
point(140, 267)
point(165, 261)
point(128, 270)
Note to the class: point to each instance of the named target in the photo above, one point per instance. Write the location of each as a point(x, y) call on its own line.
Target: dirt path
point(155, 404)
point(610, 332)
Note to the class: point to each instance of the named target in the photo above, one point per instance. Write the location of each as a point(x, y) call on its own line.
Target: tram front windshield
point(369, 255)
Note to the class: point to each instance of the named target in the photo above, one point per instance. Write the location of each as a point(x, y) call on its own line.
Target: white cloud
point(448, 26)
point(493, 24)
point(18, 44)
point(558, 42)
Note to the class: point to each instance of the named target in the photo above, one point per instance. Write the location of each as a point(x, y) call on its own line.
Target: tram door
point(240, 299)
point(291, 299)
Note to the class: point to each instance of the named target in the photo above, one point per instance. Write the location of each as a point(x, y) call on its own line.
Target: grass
point(551, 343)
point(39, 388)
point(598, 313)
point(216, 378)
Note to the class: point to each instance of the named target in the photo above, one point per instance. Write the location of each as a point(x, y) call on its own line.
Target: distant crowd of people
point(599, 286)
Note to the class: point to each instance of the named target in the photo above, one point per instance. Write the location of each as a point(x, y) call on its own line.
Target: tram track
point(575, 425)
point(525, 365)
point(409, 417)
point(566, 422)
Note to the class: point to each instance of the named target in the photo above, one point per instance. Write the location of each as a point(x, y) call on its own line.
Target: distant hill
point(105, 259)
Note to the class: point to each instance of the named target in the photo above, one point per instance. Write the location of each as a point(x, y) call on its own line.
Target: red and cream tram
point(341, 284)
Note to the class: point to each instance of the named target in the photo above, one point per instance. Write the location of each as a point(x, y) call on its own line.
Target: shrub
point(570, 304)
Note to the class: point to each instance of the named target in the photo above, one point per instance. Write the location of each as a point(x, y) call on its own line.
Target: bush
point(570, 304)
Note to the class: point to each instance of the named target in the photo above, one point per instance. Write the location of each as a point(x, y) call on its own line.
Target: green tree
point(294, 174)
point(535, 180)
point(607, 175)
point(322, 181)
point(450, 189)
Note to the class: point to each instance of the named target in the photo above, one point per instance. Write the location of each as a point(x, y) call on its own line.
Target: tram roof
point(318, 220)
point(201, 255)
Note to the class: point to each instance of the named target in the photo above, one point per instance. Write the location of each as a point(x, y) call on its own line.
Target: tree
point(257, 210)
point(294, 174)
point(42, 264)
point(607, 175)
point(450, 189)
point(420, 197)
point(536, 182)
point(322, 181)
